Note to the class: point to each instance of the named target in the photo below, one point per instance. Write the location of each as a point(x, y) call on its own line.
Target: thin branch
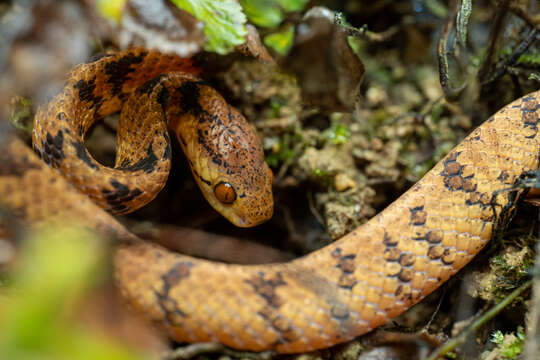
point(370, 35)
point(193, 350)
point(490, 314)
point(520, 11)
point(512, 59)
point(497, 31)
point(442, 54)
point(531, 19)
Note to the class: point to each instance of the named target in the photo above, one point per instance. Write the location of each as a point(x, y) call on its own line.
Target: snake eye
point(225, 193)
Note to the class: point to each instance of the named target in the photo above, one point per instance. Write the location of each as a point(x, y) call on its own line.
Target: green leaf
point(223, 22)
point(497, 337)
point(281, 41)
point(111, 9)
point(292, 5)
point(270, 13)
point(338, 133)
point(262, 13)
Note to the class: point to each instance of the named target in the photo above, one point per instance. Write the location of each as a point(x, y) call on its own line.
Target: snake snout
point(253, 212)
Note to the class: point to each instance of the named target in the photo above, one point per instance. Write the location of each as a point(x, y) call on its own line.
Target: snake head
point(226, 158)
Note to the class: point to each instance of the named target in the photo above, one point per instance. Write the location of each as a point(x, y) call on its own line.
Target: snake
point(343, 290)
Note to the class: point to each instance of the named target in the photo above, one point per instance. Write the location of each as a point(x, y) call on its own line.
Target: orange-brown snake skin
point(343, 290)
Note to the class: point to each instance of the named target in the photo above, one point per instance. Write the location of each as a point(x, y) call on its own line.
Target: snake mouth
point(242, 222)
point(247, 221)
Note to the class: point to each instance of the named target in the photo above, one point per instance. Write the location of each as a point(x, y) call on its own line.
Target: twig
point(512, 59)
point(367, 34)
point(450, 93)
point(531, 19)
point(432, 318)
point(461, 338)
point(314, 211)
point(518, 91)
point(462, 20)
point(494, 40)
point(190, 351)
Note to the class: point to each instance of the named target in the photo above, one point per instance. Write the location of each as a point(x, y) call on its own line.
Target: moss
point(323, 176)
point(21, 115)
point(509, 346)
point(506, 272)
point(414, 168)
point(284, 150)
point(338, 134)
point(275, 105)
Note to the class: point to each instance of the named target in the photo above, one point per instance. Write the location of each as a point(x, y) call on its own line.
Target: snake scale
point(343, 290)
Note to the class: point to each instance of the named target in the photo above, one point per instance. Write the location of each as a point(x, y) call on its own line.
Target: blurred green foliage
point(21, 115)
point(509, 346)
point(223, 22)
point(338, 134)
point(532, 57)
point(262, 13)
point(56, 269)
point(280, 41)
point(323, 176)
point(111, 9)
point(270, 13)
point(285, 150)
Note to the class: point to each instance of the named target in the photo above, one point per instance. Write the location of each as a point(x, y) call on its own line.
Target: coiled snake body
point(372, 274)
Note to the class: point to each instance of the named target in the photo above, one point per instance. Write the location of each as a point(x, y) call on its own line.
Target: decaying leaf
point(160, 25)
point(332, 62)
